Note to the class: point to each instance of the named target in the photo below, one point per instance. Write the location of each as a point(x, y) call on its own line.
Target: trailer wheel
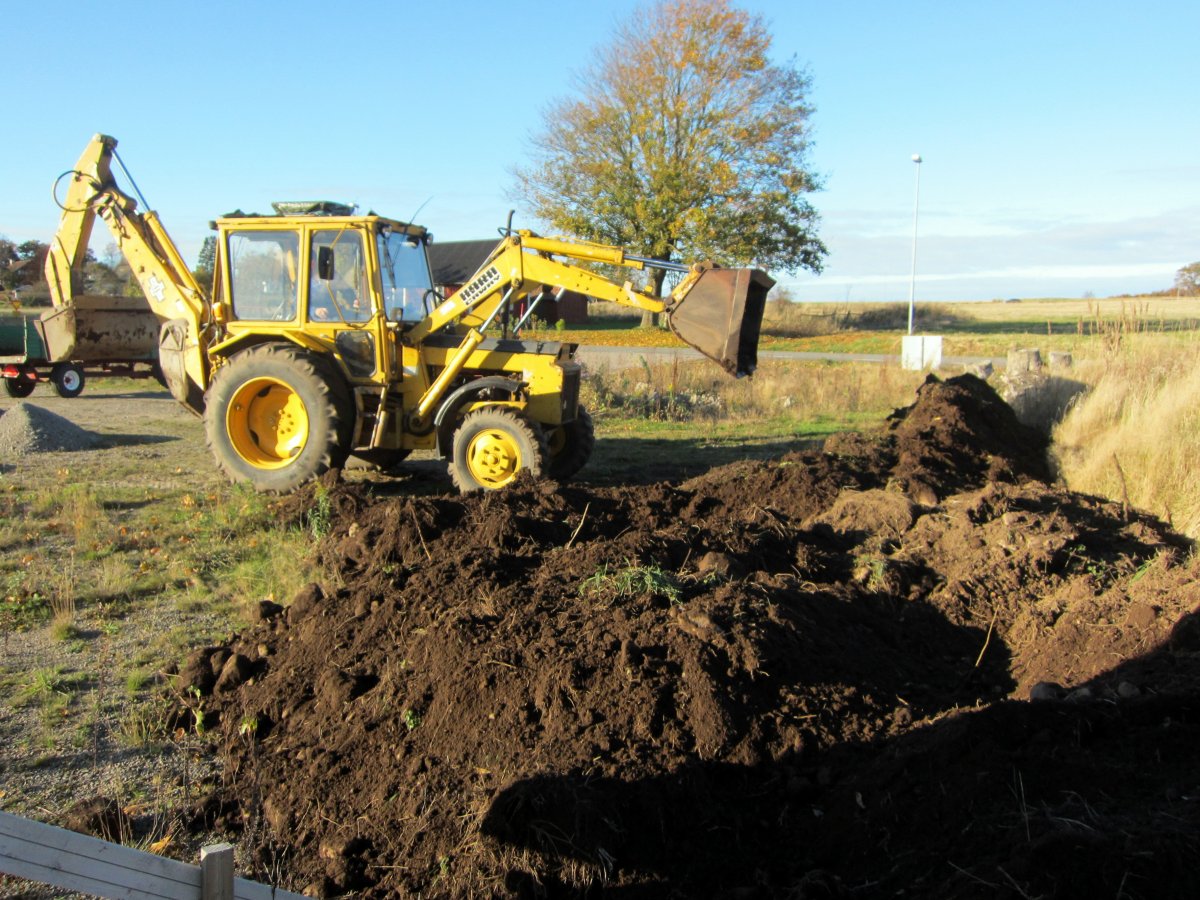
point(491, 446)
point(19, 387)
point(570, 446)
point(272, 418)
point(67, 379)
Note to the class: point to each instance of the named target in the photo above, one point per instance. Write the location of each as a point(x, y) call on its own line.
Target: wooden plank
point(72, 844)
point(86, 884)
point(76, 862)
point(253, 890)
point(41, 852)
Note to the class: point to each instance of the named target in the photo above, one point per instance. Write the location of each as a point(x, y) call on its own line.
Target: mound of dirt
point(27, 429)
point(810, 677)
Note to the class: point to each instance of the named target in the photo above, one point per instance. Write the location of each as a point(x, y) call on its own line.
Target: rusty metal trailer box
point(94, 335)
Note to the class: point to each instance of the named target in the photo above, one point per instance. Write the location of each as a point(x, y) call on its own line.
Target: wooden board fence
point(76, 862)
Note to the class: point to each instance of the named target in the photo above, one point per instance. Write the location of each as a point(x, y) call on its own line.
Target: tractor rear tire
point(492, 446)
point(273, 418)
point(343, 401)
point(570, 446)
point(67, 379)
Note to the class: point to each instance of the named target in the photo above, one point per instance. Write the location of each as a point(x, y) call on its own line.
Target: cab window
point(262, 274)
point(337, 283)
point(404, 269)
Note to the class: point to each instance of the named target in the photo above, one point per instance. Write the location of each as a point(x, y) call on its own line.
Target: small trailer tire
point(67, 379)
point(19, 387)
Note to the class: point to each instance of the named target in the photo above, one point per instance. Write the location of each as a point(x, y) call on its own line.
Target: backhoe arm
point(172, 292)
point(169, 286)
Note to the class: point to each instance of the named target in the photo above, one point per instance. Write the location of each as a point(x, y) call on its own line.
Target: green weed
point(632, 581)
point(320, 516)
point(144, 724)
point(135, 683)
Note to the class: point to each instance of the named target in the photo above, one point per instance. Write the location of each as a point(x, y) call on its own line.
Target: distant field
point(992, 328)
point(1038, 311)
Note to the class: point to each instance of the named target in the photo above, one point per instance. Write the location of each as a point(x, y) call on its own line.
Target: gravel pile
point(28, 429)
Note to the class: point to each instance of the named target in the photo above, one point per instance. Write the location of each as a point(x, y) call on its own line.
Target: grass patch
point(145, 724)
point(93, 545)
point(632, 581)
point(50, 687)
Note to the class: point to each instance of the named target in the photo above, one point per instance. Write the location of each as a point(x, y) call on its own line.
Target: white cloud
point(1017, 256)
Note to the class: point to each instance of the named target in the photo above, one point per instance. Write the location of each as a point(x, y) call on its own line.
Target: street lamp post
point(912, 285)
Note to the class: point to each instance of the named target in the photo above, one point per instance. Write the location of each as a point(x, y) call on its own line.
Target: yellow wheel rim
point(493, 458)
point(267, 423)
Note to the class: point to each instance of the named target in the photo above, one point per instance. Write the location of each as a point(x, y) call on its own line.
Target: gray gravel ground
point(28, 428)
point(117, 431)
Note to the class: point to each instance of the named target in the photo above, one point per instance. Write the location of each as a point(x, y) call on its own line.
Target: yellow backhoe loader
point(322, 336)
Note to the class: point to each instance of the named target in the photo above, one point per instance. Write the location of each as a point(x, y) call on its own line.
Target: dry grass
point(1059, 310)
point(1134, 436)
point(803, 392)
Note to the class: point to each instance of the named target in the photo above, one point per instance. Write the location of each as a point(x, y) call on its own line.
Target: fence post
point(216, 872)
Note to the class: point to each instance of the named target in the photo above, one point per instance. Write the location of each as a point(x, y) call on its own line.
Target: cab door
point(338, 299)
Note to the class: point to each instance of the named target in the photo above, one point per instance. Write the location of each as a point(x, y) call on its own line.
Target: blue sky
point(1061, 143)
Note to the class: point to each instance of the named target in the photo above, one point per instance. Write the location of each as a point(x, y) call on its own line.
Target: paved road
point(627, 357)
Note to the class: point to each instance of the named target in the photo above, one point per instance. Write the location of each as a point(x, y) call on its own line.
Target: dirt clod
point(802, 678)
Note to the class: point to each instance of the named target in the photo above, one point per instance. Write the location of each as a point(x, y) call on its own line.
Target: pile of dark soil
point(904, 666)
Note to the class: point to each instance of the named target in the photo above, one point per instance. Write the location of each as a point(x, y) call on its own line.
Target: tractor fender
point(447, 413)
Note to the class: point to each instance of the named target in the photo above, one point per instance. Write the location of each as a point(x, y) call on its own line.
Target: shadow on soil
point(615, 461)
point(643, 460)
point(1013, 799)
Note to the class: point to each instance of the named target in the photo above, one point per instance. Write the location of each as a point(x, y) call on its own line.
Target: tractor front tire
point(273, 418)
point(67, 379)
point(570, 446)
point(492, 446)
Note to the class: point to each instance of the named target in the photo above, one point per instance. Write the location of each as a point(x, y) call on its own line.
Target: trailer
point(92, 336)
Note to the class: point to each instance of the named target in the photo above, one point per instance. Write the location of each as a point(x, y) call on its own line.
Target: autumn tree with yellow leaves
point(683, 141)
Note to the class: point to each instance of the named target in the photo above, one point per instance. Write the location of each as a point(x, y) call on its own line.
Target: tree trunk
point(657, 277)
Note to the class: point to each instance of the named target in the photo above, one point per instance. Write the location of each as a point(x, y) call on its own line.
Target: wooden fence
point(75, 862)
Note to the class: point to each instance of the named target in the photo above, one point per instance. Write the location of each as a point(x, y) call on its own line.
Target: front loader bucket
point(721, 316)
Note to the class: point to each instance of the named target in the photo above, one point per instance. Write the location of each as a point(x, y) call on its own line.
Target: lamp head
point(916, 157)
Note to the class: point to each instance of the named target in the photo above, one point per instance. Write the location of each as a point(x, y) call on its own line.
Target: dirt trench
point(904, 666)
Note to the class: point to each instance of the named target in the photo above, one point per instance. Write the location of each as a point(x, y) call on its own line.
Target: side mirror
point(325, 263)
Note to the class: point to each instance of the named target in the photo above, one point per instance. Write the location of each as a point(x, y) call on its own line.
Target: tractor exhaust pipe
point(720, 314)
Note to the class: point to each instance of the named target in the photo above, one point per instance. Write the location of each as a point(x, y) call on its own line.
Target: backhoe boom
point(172, 292)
